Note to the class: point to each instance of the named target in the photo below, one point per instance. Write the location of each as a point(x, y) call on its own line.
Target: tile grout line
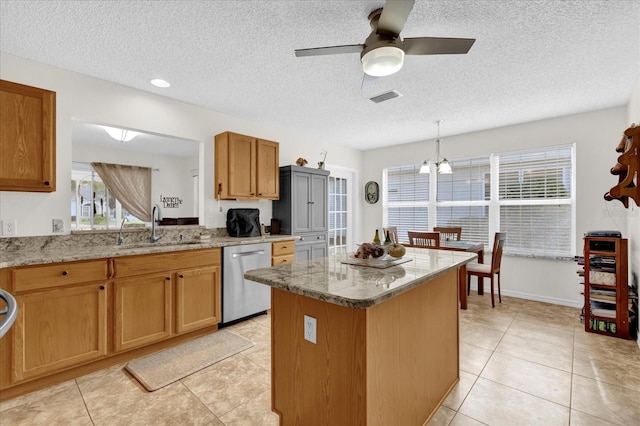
point(84, 401)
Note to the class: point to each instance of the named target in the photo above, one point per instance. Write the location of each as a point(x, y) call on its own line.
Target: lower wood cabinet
point(56, 329)
point(142, 310)
point(123, 304)
point(282, 252)
point(197, 298)
point(154, 289)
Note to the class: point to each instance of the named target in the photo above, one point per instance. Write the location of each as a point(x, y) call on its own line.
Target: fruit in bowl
point(366, 250)
point(397, 251)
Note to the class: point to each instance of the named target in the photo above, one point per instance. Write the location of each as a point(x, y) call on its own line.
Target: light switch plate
point(9, 228)
point(310, 329)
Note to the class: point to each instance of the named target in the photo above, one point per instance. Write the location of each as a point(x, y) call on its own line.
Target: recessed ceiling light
point(158, 82)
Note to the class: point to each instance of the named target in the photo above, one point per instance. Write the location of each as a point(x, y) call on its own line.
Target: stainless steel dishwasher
point(243, 298)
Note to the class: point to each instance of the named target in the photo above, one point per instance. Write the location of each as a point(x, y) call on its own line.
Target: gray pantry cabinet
point(303, 209)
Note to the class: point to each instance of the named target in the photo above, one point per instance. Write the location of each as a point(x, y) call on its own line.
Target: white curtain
point(131, 185)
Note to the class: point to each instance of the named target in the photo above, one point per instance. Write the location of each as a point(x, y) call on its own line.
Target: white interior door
point(340, 211)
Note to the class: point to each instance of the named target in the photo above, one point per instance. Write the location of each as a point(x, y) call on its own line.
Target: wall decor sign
point(170, 202)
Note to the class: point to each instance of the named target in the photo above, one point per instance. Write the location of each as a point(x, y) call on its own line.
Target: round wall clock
point(371, 192)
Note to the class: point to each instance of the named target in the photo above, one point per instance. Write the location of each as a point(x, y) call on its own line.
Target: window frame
point(495, 203)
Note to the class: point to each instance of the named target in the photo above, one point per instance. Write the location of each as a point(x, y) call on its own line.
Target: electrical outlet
point(58, 226)
point(310, 329)
point(9, 228)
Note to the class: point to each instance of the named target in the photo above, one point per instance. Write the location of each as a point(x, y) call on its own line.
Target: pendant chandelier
point(442, 165)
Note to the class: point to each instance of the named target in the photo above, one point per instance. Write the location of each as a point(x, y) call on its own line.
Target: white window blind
point(536, 196)
point(406, 200)
point(463, 198)
point(527, 194)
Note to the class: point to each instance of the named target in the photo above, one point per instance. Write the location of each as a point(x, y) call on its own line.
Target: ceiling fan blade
point(332, 50)
point(436, 45)
point(393, 17)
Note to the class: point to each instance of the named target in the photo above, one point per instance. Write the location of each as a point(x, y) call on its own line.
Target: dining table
point(468, 246)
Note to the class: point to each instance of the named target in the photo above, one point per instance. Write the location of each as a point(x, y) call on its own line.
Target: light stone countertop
point(69, 249)
point(330, 280)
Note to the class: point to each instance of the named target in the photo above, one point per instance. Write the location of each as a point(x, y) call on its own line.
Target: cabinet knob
point(46, 183)
point(101, 287)
point(65, 273)
point(181, 276)
point(319, 237)
point(167, 278)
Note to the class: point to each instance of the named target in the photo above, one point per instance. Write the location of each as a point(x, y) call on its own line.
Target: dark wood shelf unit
point(606, 273)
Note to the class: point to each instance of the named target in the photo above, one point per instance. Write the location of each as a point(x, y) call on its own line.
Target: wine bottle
point(376, 238)
point(387, 240)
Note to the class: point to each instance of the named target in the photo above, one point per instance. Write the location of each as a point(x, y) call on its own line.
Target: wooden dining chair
point(424, 239)
point(483, 271)
point(447, 232)
point(393, 233)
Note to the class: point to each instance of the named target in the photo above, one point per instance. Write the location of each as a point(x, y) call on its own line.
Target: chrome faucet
point(154, 237)
point(120, 238)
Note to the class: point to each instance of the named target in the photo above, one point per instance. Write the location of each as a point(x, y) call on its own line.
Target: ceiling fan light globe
point(383, 61)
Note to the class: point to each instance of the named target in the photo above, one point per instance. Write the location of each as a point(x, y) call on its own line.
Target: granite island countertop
point(61, 249)
point(330, 280)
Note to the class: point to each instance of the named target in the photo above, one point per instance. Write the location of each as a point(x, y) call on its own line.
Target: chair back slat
point(424, 239)
point(452, 233)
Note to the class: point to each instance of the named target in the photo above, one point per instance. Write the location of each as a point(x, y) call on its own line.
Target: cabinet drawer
point(153, 263)
point(281, 248)
point(279, 260)
point(58, 274)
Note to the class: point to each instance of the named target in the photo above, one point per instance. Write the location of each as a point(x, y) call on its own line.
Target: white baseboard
point(536, 297)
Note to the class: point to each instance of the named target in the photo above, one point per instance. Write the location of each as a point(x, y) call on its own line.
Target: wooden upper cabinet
point(27, 138)
point(246, 168)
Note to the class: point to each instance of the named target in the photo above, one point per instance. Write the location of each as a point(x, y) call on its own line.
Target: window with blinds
point(463, 198)
point(532, 200)
point(535, 189)
point(405, 199)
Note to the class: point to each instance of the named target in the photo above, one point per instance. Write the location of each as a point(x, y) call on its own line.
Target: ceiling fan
point(383, 51)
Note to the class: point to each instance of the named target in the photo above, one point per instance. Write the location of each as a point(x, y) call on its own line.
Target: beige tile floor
point(522, 363)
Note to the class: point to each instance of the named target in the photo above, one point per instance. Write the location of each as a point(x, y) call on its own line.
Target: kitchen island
point(386, 340)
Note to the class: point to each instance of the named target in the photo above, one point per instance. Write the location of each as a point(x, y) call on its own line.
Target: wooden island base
point(390, 364)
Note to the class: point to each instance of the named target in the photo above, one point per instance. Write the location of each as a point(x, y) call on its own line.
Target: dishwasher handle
point(248, 253)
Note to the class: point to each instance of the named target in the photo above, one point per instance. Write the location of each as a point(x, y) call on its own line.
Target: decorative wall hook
point(627, 169)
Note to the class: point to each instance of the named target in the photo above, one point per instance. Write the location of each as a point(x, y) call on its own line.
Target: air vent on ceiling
point(385, 96)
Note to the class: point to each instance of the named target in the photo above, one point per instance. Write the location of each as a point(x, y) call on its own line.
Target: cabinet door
point(242, 166)
point(319, 250)
point(197, 298)
point(319, 196)
point(267, 170)
point(311, 246)
point(57, 329)
point(142, 310)
point(301, 203)
point(303, 252)
point(27, 138)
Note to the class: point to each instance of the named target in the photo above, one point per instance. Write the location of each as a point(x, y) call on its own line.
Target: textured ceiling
point(532, 60)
